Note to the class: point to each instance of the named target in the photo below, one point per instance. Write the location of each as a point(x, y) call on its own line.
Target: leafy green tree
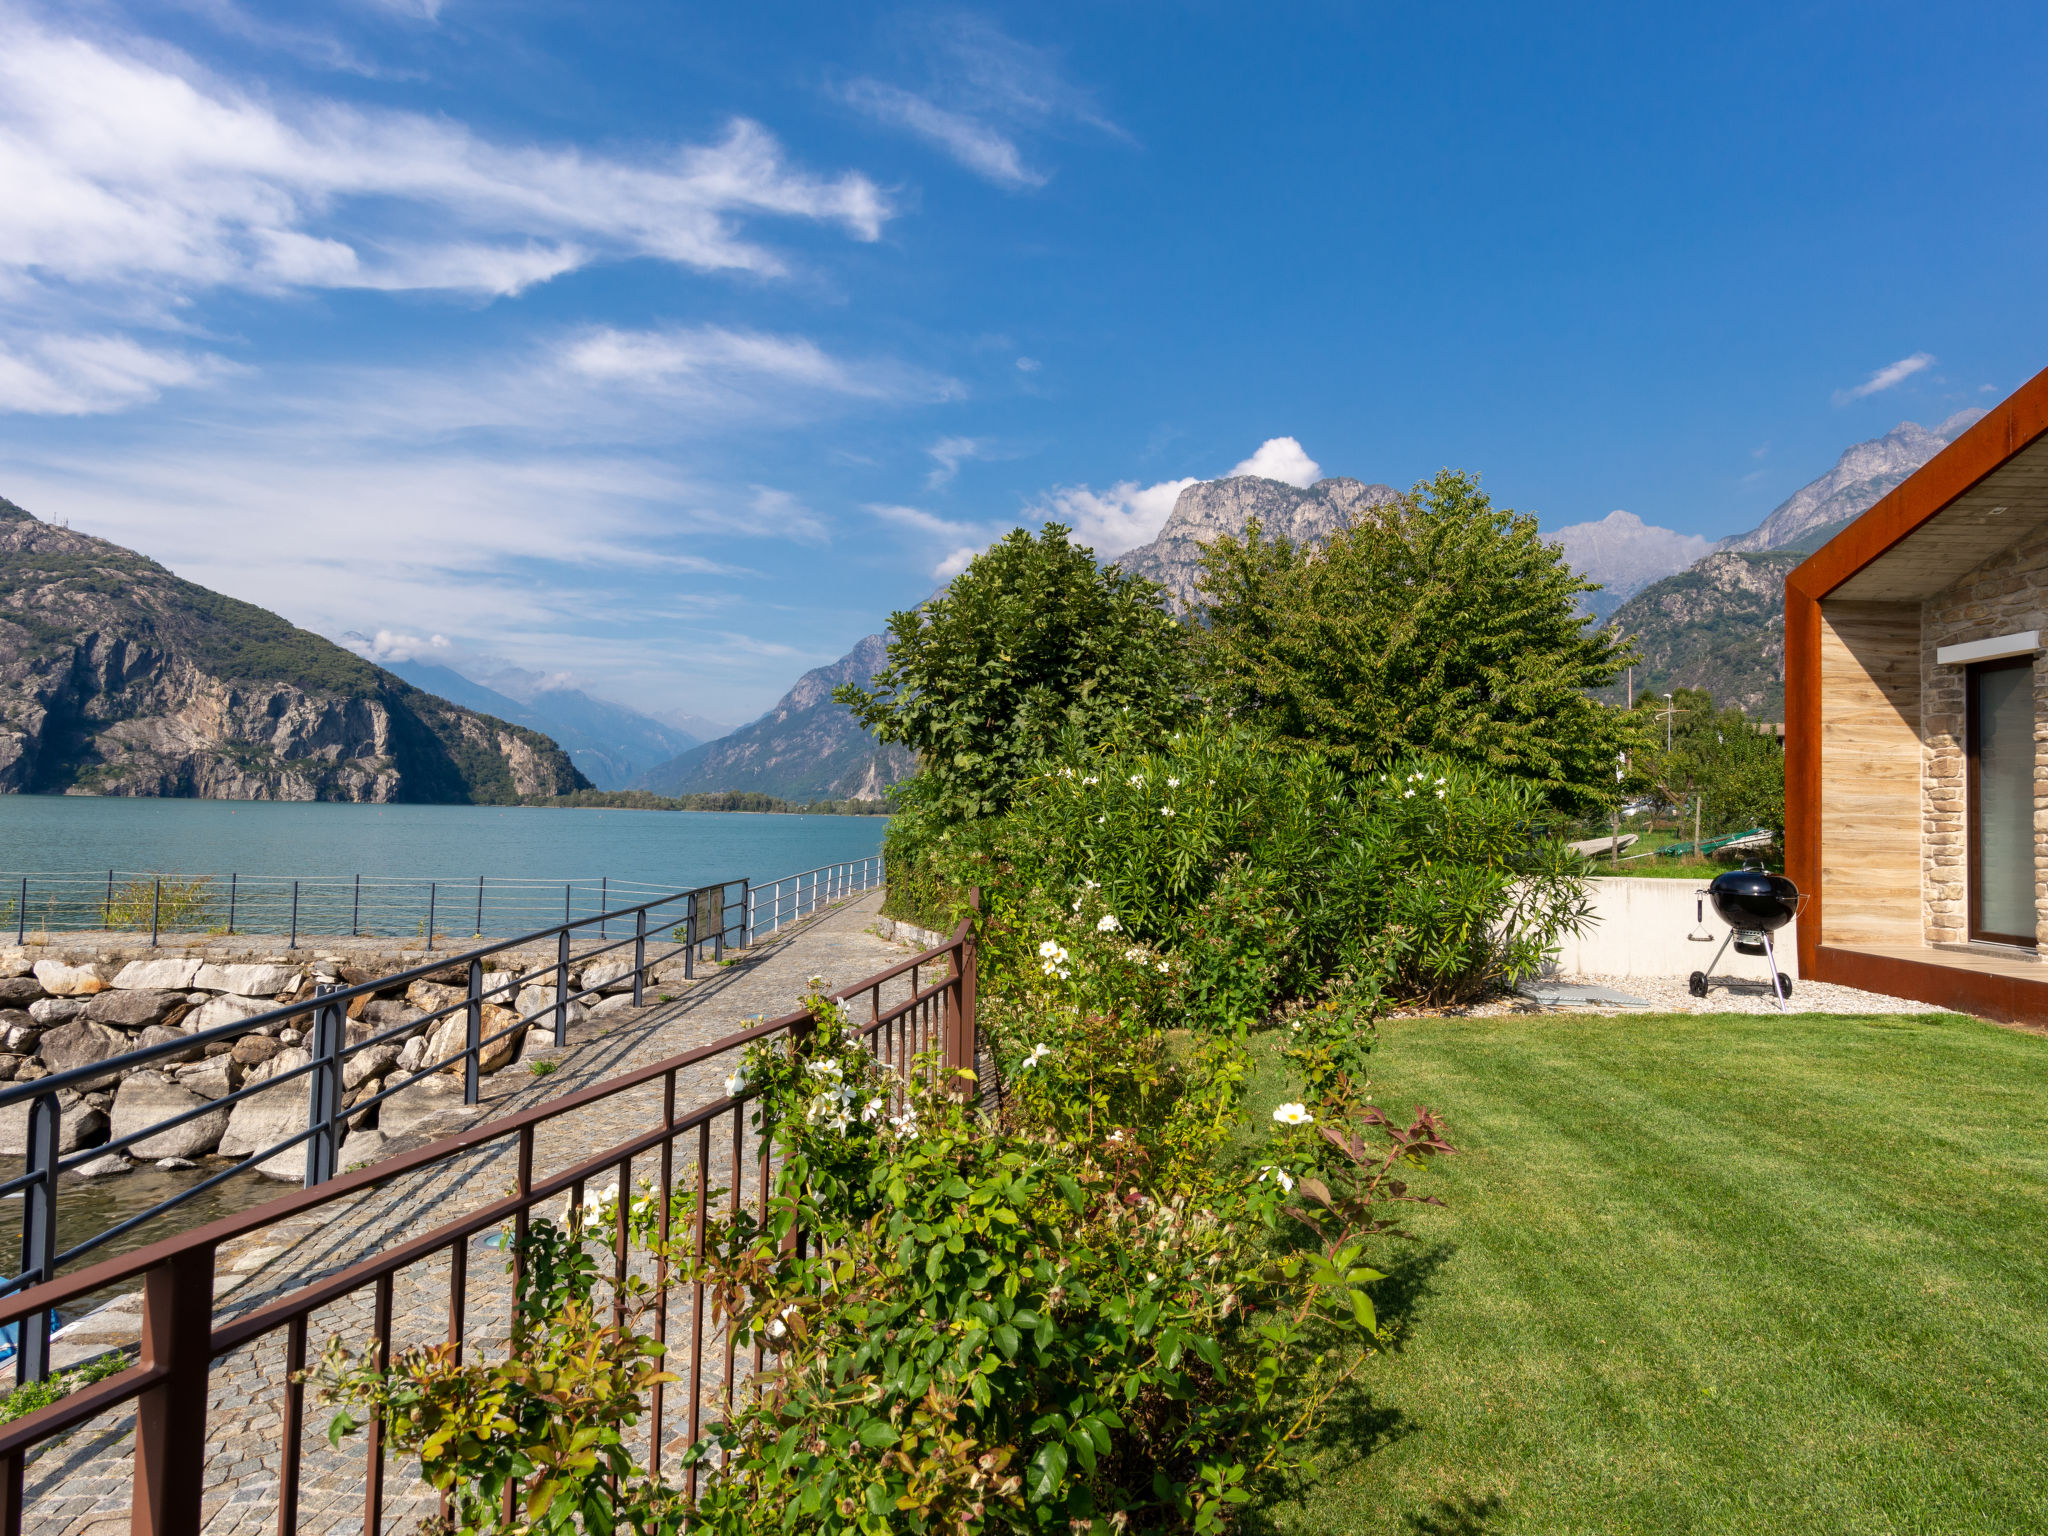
point(1717, 757)
point(1443, 626)
point(1032, 644)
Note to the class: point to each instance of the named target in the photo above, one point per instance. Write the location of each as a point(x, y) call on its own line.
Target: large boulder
point(537, 1003)
point(247, 980)
point(366, 1064)
point(164, 1034)
point(613, 973)
point(430, 1107)
point(79, 1044)
point(266, 1118)
point(212, 1078)
point(61, 979)
point(165, 975)
point(56, 1010)
point(451, 1036)
point(432, 996)
point(79, 1125)
point(228, 1008)
point(146, 1099)
point(381, 1017)
point(133, 1010)
point(19, 991)
point(18, 1032)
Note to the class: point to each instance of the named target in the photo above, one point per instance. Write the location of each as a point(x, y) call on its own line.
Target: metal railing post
point(355, 915)
point(231, 902)
point(479, 906)
point(639, 962)
point(21, 915)
point(107, 911)
point(39, 1232)
point(430, 914)
point(718, 938)
point(747, 912)
point(156, 902)
point(323, 1091)
point(690, 938)
point(295, 916)
point(170, 1416)
point(473, 1032)
point(562, 987)
point(604, 901)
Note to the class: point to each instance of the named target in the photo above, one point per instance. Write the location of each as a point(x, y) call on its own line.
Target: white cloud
point(1886, 377)
point(135, 183)
point(955, 563)
point(1109, 522)
point(81, 374)
point(782, 515)
point(921, 520)
point(1028, 365)
point(387, 646)
point(693, 359)
point(1282, 458)
point(976, 145)
point(984, 90)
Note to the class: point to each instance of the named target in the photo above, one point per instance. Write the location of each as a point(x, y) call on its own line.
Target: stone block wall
point(2006, 594)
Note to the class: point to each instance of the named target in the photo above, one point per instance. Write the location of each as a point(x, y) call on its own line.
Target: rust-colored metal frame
point(181, 1337)
point(2013, 424)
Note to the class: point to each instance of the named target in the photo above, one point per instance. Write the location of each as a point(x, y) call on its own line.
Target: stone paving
point(79, 1485)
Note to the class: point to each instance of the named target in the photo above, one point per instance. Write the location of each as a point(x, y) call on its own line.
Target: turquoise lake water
point(447, 842)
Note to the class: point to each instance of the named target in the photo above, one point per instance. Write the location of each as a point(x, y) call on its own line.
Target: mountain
point(118, 678)
point(1208, 509)
point(699, 726)
point(1861, 476)
point(805, 748)
point(1625, 554)
point(611, 744)
point(1720, 623)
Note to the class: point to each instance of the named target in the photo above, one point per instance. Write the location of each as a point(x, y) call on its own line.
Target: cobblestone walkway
point(79, 1484)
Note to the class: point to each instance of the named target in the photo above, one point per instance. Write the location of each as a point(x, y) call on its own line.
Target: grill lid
point(1754, 900)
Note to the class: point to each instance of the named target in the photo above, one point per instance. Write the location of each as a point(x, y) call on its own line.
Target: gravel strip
point(1669, 994)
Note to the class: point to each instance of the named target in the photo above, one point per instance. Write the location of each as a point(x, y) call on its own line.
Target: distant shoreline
point(730, 802)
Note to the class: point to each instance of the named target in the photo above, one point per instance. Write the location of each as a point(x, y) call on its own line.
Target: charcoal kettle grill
point(1754, 904)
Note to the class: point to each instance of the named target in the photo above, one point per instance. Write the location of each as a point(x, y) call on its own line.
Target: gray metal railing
point(771, 904)
point(709, 915)
point(361, 906)
point(728, 913)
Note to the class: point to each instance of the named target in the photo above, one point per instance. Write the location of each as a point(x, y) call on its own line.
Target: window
point(2001, 801)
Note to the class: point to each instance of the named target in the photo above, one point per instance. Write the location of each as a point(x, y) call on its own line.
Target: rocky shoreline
point(69, 1006)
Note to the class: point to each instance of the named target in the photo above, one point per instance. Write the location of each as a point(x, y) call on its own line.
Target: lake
point(398, 850)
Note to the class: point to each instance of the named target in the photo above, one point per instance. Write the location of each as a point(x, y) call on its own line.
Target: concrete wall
point(1640, 929)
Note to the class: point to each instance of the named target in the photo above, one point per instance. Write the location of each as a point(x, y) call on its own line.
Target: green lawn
point(1710, 1274)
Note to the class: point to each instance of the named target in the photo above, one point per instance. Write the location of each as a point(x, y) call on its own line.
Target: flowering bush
point(1022, 1331)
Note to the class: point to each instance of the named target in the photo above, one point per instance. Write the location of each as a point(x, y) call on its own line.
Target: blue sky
point(670, 347)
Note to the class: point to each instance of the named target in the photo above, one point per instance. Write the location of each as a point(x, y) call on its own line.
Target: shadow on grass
point(1463, 1514)
point(1354, 1425)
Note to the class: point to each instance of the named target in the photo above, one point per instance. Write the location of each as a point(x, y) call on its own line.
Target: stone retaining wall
point(69, 1005)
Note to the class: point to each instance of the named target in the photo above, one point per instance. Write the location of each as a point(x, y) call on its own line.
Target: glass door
point(2001, 793)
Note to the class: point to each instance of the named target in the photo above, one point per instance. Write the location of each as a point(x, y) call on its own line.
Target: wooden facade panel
point(1870, 773)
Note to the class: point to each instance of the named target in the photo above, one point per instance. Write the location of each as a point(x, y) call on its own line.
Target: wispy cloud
point(963, 540)
point(975, 144)
point(984, 90)
point(1886, 377)
point(138, 182)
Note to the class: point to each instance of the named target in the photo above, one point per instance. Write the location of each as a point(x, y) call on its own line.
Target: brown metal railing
point(184, 1333)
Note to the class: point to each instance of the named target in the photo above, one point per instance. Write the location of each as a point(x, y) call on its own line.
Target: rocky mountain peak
point(1209, 509)
point(1860, 478)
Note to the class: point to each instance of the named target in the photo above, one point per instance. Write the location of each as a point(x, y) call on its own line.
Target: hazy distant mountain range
point(119, 678)
point(611, 744)
point(805, 748)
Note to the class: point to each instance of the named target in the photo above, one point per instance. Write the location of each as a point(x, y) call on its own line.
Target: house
point(1916, 707)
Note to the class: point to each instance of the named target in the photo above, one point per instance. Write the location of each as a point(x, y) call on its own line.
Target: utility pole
point(1669, 709)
